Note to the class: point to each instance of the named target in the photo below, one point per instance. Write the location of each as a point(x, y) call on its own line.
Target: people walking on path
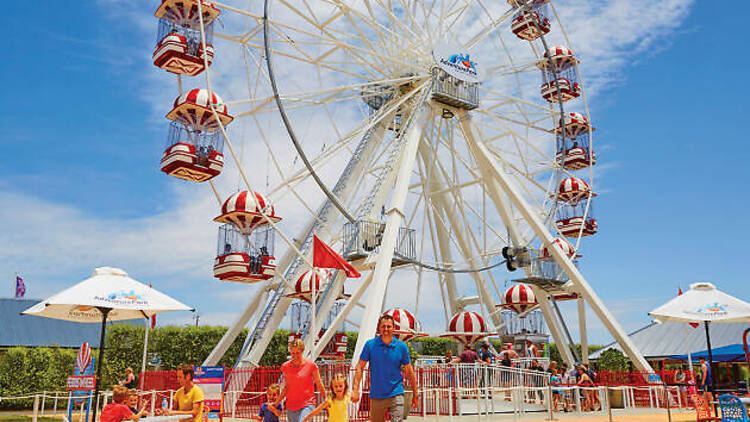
point(301, 376)
point(386, 356)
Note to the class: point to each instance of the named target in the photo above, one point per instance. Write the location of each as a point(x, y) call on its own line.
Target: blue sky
point(82, 139)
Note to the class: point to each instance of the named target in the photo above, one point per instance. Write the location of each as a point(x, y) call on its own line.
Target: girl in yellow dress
point(337, 402)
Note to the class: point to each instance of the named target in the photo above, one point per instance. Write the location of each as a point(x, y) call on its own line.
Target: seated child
point(117, 411)
point(269, 412)
point(133, 400)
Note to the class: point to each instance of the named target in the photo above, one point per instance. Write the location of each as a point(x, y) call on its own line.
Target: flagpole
point(145, 349)
point(313, 282)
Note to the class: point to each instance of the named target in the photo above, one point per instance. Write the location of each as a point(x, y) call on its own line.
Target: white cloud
point(176, 245)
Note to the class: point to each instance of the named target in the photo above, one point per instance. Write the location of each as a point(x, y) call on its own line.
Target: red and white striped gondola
point(175, 55)
point(519, 298)
point(243, 268)
point(180, 46)
point(185, 12)
point(194, 109)
point(569, 90)
point(576, 158)
point(575, 226)
point(530, 25)
point(406, 327)
point(304, 285)
point(574, 124)
point(573, 189)
point(244, 213)
point(558, 56)
point(562, 244)
point(184, 161)
point(467, 327)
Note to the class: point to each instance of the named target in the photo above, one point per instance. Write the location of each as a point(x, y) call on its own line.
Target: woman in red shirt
point(300, 378)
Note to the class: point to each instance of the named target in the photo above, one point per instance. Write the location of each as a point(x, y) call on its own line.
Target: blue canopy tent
point(730, 353)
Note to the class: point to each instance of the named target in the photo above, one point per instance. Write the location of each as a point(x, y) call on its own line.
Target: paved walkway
point(618, 415)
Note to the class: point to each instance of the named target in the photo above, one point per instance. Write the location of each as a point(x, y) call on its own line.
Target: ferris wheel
point(440, 145)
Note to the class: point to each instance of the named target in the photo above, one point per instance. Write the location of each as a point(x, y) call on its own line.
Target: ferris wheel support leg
point(348, 191)
point(317, 349)
point(449, 279)
point(582, 330)
point(553, 323)
point(381, 273)
point(441, 201)
point(606, 317)
point(234, 330)
point(499, 199)
point(324, 308)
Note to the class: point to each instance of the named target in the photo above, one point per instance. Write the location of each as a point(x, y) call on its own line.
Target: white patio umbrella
point(704, 303)
point(109, 294)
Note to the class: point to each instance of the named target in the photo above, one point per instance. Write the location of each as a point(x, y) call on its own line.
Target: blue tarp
point(730, 353)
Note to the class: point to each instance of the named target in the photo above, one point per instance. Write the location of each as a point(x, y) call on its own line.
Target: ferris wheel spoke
point(491, 27)
point(474, 179)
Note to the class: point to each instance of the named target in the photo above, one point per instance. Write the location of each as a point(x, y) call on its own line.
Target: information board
point(210, 379)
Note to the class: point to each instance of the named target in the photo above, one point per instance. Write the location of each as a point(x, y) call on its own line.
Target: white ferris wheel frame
point(491, 170)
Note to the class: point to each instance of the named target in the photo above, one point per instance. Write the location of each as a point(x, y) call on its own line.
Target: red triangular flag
point(325, 257)
point(692, 324)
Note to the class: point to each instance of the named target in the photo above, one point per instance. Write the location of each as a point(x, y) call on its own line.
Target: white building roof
point(657, 341)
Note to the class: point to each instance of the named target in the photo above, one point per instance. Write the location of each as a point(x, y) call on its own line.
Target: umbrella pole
point(710, 362)
point(104, 312)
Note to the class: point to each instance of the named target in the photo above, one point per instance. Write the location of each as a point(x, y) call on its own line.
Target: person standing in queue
point(386, 356)
point(706, 380)
point(301, 376)
point(188, 399)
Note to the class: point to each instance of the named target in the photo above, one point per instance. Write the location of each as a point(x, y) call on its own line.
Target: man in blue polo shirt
point(386, 355)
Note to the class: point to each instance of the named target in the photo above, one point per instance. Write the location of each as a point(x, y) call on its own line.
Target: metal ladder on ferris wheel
point(362, 212)
point(291, 272)
point(239, 381)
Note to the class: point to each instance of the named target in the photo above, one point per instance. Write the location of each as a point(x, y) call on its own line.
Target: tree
point(613, 360)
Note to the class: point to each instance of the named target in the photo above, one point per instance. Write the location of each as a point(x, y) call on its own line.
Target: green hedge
point(27, 370)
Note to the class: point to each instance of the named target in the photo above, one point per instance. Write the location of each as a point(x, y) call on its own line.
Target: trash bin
point(615, 398)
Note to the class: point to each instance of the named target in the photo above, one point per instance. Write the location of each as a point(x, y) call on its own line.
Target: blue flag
point(20, 287)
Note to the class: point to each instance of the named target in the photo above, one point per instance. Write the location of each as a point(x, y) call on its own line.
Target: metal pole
point(669, 411)
point(36, 408)
point(582, 331)
point(687, 344)
point(141, 380)
point(710, 364)
point(105, 312)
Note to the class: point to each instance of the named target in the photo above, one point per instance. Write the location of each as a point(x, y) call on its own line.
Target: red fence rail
point(441, 386)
